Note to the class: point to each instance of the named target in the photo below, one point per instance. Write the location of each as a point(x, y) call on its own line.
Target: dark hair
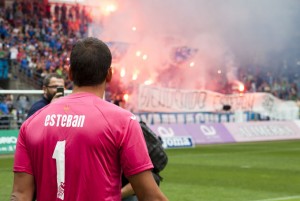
point(48, 77)
point(89, 62)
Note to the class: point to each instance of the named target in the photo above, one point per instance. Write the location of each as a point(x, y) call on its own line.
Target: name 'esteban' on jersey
point(64, 120)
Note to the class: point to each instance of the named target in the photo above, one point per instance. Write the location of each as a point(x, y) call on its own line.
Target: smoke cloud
point(228, 34)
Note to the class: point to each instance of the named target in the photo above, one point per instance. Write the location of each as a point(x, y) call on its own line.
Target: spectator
point(4, 119)
point(3, 63)
point(63, 13)
point(50, 84)
point(13, 55)
point(3, 106)
point(56, 11)
point(23, 103)
point(24, 67)
point(48, 10)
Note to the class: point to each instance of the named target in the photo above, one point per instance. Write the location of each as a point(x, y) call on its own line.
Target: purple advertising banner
point(201, 133)
point(209, 133)
point(169, 130)
point(263, 131)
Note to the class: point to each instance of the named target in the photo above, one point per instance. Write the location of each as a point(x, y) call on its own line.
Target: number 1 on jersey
point(59, 156)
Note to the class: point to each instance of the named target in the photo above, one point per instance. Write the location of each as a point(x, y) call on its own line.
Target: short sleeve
point(134, 153)
point(22, 160)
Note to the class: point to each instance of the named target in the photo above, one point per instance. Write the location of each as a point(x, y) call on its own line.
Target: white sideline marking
point(282, 198)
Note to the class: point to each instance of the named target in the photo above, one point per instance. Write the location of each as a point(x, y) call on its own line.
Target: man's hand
point(57, 96)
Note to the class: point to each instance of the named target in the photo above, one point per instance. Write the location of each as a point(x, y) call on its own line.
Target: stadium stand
point(36, 39)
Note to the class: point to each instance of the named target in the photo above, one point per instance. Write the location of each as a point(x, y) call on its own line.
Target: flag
point(182, 54)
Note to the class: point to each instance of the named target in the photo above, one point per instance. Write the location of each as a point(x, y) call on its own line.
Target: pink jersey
point(77, 147)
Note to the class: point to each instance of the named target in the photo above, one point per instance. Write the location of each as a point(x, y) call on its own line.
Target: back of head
point(89, 62)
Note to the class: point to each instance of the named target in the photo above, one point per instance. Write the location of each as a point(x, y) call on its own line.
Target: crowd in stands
point(282, 85)
point(37, 38)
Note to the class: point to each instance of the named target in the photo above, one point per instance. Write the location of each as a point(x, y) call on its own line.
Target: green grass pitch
point(260, 171)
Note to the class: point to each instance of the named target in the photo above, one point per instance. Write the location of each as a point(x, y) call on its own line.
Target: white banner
point(67, 1)
point(157, 99)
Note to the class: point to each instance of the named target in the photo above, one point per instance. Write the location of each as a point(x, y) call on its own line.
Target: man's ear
point(109, 75)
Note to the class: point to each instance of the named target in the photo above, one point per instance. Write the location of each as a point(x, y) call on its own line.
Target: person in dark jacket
point(50, 84)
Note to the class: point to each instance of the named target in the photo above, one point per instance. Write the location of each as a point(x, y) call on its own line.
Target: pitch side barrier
point(188, 135)
point(178, 135)
point(180, 129)
point(8, 140)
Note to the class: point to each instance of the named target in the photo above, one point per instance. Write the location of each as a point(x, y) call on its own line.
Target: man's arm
point(146, 188)
point(23, 187)
point(127, 190)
